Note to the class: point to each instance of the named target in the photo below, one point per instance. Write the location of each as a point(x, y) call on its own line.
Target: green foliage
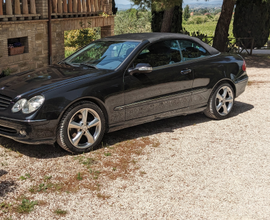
point(198, 19)
point(157, 17)
point(132, 21)
point(26, 206)
point(81, 37)
point(186, 13)
point(252, 19)
point(207, 28)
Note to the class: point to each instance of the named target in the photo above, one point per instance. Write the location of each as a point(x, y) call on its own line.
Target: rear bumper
point(36, 131)
point(241, 86)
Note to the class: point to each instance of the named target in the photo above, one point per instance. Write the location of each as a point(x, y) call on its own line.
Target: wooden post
point(54, 6)
point(96, 5)
point(92, 6)
point(84, 6)
point(65, 6)
point(9, 7)
point(75, 9)
point(17, 7)
point(24, 7)
point(70, 6)
point(79, 5)
point(88, 5)
point(1, 7)
point(59, 6)
point(33, 7)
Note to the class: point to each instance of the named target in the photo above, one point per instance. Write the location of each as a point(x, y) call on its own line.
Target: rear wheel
point(81, 128)
point(221, 102)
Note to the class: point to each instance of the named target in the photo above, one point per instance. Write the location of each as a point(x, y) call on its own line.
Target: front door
point(167, 88)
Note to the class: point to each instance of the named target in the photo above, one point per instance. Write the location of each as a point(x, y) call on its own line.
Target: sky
point(127, 2)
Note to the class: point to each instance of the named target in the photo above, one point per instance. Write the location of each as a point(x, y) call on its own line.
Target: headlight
point(28, 106)
point(18, 105)
point(33, 104)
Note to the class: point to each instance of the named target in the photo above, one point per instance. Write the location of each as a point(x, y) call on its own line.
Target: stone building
point(40, 31)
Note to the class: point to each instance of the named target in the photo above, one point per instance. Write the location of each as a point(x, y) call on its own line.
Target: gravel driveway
point(187, 168)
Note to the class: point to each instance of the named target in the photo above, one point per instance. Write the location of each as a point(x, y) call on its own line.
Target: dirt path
point(181, 168)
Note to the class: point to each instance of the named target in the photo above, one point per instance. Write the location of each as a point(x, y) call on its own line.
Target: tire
point(221, 102)
point(82, 128)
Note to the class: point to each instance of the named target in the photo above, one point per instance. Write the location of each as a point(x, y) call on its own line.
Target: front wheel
point(221, 102)
point(81, 128)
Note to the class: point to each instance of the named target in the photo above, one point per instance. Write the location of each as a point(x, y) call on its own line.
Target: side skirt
point(164, 115)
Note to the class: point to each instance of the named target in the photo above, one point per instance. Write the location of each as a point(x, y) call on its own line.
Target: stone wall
point(37, 45)
point(36, 32)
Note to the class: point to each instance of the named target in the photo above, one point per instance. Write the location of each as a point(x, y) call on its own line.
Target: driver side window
point(160, 54)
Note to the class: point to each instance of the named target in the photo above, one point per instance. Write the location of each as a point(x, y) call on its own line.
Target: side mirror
point(141, 68)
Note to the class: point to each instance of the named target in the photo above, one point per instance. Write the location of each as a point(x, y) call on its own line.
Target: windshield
point(102, 54)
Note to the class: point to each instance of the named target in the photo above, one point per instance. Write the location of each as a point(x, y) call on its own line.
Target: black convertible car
point(118, 82)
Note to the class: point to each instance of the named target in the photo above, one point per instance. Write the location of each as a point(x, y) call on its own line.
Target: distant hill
point(191, 3)
point(203, 4)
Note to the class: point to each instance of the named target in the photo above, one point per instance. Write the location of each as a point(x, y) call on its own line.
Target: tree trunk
point(167, 20)
point(222, 28)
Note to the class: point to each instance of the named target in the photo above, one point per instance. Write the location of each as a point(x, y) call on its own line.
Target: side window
point(160, 54)
point(191, 50)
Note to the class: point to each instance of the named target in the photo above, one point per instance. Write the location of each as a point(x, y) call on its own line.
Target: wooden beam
point(65, 6)
point(1, 7)
point(75, 8)
point(88, 5)
point(17, 7)
point(24, 7)
point(70, 6)
point(59, 6)
point(9, 7)
point(92, 6)
point(54, 6)
point(96, 5)
point(79, 5)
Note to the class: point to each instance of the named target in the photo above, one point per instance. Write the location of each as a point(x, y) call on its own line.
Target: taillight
point(244, 66)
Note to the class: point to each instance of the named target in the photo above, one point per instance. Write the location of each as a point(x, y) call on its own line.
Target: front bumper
point(36, 131)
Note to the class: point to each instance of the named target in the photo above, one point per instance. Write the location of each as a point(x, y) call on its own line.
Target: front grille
point(7, 130)
point(4, 102)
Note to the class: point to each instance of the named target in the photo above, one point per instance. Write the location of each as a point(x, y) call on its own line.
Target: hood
point(47, 78)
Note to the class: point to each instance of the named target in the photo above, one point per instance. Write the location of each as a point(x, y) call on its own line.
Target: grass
point(26, 206)
point(207, 28)
point(60, 212)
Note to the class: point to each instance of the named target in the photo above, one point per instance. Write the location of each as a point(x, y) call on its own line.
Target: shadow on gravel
point(257, 60)
point(6, 187)
point(165, 125)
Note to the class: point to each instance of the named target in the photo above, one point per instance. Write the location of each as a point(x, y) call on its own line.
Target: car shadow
point(164, 125)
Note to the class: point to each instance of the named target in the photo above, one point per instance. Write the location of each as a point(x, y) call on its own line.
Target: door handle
point(186, 71)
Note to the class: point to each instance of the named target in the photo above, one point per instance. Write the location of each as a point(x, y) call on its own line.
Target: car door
point(205, 70)
point(167, 88)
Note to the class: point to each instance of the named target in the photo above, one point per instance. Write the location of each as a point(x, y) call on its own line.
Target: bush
point(80, 38)
point(197, 19)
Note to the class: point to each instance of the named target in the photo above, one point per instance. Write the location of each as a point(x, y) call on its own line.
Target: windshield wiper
point(88, 65)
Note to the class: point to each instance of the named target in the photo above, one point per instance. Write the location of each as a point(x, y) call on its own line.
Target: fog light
point(23, 132)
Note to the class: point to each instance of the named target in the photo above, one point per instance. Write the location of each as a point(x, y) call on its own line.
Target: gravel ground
point(188, 167)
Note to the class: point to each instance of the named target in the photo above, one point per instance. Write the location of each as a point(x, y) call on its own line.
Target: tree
point(157, 20)
point(252, 19)
point(222, 28)
point(186, 13)
point(114, 9)
point(132, 21)
point(168, 8)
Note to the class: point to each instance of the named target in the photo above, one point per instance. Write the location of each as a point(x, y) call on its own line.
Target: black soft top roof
point(157, 36)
